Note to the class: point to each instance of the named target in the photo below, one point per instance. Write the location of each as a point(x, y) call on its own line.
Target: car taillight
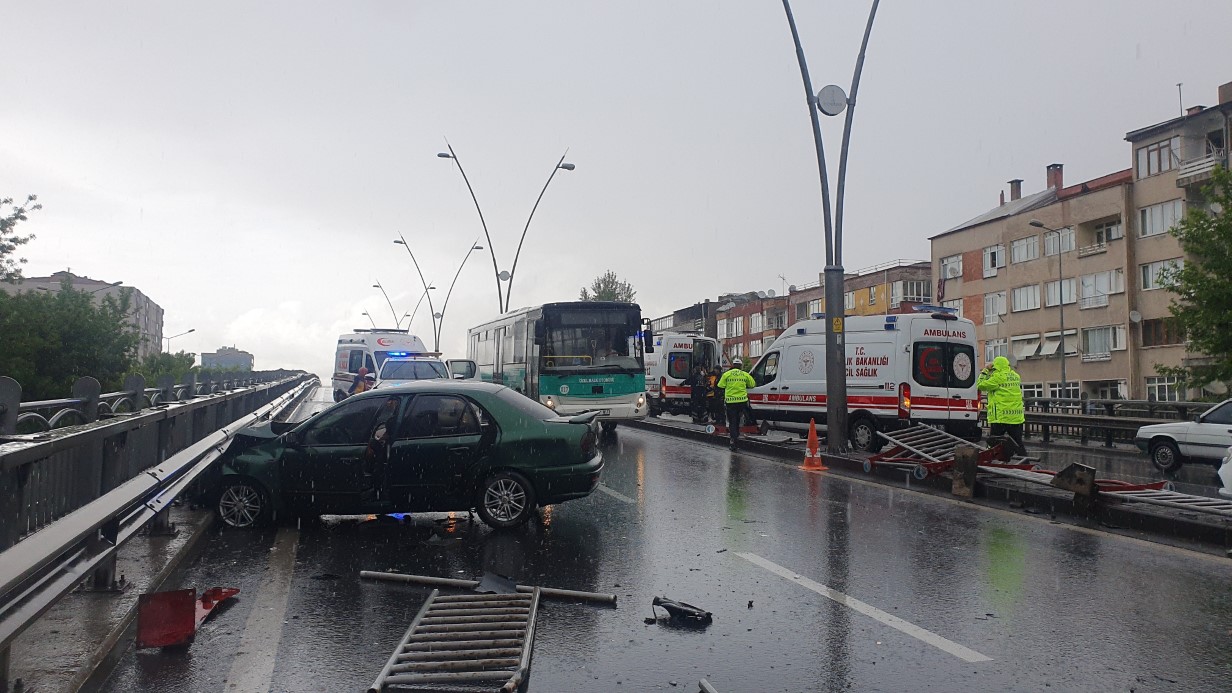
point(588, 443)
point(662, 387)
point(904, 401)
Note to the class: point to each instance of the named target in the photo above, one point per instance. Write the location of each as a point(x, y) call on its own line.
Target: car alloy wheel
point(241, 505)
point(506, 500)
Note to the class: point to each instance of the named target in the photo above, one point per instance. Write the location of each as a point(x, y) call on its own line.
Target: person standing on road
point(360, 383)
point(697, 394)
point(714, 396)
point(735, 384)
point(1006, 412)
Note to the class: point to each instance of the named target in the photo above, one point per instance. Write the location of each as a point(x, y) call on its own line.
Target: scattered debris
point(169, 619)
point(750, 603)
point(720, 551)
point(681, 611)
point(472, 584)
point(704, 686)
point(491, 583)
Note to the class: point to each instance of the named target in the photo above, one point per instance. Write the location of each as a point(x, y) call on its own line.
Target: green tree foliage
point(608, 287)
point(10, 215)
point(52, 338)
point(177, 365)
point(1203, 285)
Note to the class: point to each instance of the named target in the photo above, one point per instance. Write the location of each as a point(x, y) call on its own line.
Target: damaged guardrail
point(72, 545)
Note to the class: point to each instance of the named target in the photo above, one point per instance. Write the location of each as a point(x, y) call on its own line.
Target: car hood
point(1156, 429)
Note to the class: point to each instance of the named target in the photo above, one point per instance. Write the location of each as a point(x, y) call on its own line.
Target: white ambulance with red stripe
point(674, 357)
point(901, 369)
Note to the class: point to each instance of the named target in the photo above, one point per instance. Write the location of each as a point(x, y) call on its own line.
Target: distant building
point(147, 316)
point(228, 357)
point(750, 322)
point(699, 317)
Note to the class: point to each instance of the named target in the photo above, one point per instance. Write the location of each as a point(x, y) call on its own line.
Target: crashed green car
point(427, 446)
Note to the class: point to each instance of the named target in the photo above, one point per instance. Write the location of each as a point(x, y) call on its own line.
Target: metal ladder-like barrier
point(925, 450)
point(1172, 499)
point(467, 642)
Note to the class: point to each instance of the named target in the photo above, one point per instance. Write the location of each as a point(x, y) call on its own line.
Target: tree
point(10, 268)
point(177, 365)
point(608, 287)
point(1203, 285)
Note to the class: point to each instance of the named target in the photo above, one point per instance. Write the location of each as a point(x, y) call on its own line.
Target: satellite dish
point(951, 273)
point(761, 294)
point(832, 100)
point(770, 293)
point(1135, 316)
point(791, 289)
point(504, 276)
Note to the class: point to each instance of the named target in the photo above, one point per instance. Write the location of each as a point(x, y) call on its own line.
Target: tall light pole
point(503, 300)
point(394, 313)
point(832, 101)
point(1060, 294)
point(174, 336)
point(440, 317)
point(421, 298)
point(369, 316)
point(400, 240)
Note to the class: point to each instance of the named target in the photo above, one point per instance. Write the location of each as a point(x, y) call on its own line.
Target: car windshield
point(526, 405)
point(591, 340)
point(413, 370)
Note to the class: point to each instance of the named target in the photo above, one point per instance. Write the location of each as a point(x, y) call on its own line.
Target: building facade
point(228, 357)
point(1068, 279)
point(750, 322)
point(699, 318)
point(146, 315)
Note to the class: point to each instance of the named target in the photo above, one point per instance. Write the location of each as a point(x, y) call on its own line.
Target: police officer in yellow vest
point(734, 384)
point(1006, 412)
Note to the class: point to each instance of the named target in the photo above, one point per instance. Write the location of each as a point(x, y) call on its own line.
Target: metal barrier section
point(475, 640)
point(1172, 499)
point(925, 451)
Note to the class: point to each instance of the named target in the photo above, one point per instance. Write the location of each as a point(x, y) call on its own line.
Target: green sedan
point(427, 446)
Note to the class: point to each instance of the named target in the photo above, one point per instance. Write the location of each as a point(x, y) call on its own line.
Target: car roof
point(437, 385)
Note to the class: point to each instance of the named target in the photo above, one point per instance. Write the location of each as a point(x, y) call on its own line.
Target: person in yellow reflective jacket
point(1006, 412)
point(734, 384)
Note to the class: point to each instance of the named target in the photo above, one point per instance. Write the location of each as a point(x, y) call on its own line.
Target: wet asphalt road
point(983, 599)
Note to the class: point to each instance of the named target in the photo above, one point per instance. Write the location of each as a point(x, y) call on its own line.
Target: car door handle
point(773, 388)
point(459, 448)
point(786, 388)
point(349, 460)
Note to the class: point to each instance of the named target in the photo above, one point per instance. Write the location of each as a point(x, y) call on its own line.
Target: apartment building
point(750, 322)
point(699, 318)
point(228, 357)
point(1067, 279)
point(894, 287)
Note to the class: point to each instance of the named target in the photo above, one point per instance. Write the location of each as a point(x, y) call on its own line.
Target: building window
point(755, 348)
point(776, 320)
point(1052, 343)
point(994, 305)
point(994, 348)
point(1026, 297)
point(1032, 390)
point(1098, 343)
point(1096, 288)
point(722, 329)
point(956, 305)
point(1163, 388)
point(1162, 332)
point(994, 257)
point(1024, 249)
point(814, 307)
point(737, 350)
point(1067, 391)
point(1108, 389)
point(910, 291)
point(1159, 218)
point(1024, 346)
point(1060, 290)
point(801, 312)
point(1062, 242)
point(849, 300)
point(1108, 231)
point(872, 295)
point(1152, 271)
point(738, 326)
point(951, 267)
point(1158, 157)
point(755, 323)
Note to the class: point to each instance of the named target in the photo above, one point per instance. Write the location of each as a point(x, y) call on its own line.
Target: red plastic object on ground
point(167, 619)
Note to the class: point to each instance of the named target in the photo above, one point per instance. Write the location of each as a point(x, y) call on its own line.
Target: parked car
point(1202, 440)
point(398, 370)
point(432, 445)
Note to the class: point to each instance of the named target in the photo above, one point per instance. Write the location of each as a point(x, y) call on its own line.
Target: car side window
point(1222, 415)
point(440, 415)
point(347, 424)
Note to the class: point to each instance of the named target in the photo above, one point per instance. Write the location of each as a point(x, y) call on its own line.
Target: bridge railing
point(1107, 421)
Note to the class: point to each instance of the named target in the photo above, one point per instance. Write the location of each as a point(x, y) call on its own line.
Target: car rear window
point(526, 405)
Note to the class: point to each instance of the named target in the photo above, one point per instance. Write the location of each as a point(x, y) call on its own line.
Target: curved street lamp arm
point(514, 269)
point(495, 270)
point(397, 320)
point(842, 160)
point(821, 154)
point(421, 278)
point(417, 304)
point(449, 293)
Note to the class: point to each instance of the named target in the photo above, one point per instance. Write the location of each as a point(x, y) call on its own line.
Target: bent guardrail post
point(87, 390)
point(166, 383)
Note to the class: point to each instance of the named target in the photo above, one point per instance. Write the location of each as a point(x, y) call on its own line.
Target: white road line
point(963, 653)
point(253, 668)
point(616, 494)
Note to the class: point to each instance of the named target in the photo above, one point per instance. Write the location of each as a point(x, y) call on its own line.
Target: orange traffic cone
point(812, 456)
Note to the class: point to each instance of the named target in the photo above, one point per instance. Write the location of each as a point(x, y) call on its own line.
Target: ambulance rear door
point(942, 369)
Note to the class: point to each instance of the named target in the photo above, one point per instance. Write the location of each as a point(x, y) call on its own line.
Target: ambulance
point(901, 369)
point(674, 357)
point(369, 349)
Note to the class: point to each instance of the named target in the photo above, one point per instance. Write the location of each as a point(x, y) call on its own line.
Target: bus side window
point(357, 360)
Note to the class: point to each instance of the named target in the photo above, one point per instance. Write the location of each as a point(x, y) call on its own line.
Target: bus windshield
point(591, 340)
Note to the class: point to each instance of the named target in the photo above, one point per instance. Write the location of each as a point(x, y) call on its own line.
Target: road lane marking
point(616, 494)
point(964, 653)
point(253, 668)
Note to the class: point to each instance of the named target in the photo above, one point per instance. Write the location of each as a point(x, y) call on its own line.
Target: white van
point(369, 349)
point(901, 369)
point(674, 357)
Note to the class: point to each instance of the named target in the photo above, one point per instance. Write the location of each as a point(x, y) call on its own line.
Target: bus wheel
point(608, 426)
point(863, 432)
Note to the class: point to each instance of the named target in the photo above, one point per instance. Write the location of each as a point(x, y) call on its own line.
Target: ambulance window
point(679, 364)
point(356, 362)
point(767, 369)
point(928, 364)
point(962, 365)
point(368, 362)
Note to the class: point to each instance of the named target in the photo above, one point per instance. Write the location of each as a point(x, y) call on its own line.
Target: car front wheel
point(1165, 456)
point(506, 499)
point(243, 504)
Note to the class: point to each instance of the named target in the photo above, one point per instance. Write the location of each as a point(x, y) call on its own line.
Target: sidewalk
point(62, 649)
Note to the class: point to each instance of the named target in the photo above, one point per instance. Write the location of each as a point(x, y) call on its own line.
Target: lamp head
point(444, 155)
point(567, 166)
point(476, 247)
point(1037, 224)
point(399, 241)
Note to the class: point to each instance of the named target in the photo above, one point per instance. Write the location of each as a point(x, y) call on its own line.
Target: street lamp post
point(561, 165)
point(392, 312)
point(440, 317)
point(400, 240)
point(168, 349)
point(500, 302)
point(421, 298)
point(832, 101)
point(1060, 294)
point(369, 316)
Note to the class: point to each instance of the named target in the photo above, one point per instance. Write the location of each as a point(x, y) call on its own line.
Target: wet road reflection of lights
point(546, 516)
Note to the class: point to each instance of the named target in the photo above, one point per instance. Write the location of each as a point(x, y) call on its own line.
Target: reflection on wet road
point(816, 583)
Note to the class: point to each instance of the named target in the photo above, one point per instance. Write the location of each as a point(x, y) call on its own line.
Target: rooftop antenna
point(784, 280)
point(1180, 99)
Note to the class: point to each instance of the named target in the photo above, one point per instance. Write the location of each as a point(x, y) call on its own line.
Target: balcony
point(1096, 301)
point(1199, 170)
point(1093, 249)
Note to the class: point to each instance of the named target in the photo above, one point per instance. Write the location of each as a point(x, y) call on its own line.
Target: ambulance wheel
point(863, 433)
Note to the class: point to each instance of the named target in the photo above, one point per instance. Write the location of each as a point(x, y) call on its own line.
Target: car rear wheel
point(1165, 456)
point(864, 436)
point(608, 426)
point(243, 504)
point(506, 499)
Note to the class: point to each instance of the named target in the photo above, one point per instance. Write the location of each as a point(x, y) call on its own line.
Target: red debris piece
point(167, 619)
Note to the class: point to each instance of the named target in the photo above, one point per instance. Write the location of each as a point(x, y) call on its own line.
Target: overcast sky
point(247, 165)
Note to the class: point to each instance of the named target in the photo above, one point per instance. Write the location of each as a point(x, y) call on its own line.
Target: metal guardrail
point(1109, 421)
point(101, 468)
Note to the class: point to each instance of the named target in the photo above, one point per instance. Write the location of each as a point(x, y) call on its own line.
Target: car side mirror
point(1197, 418)
point(647, 338)
point(293, 438)
point(462, 368)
